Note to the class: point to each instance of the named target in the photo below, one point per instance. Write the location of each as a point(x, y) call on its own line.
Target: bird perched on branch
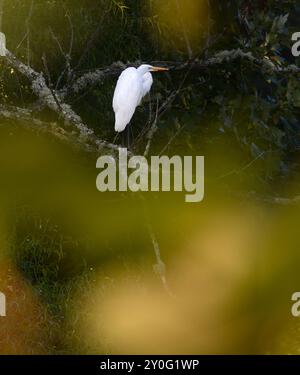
point(133, 84)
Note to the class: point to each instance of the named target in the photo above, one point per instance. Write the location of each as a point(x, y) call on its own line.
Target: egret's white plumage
point(147, 83)
point(133, 84)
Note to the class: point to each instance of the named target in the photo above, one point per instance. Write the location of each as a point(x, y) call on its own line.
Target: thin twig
point(151, 132)
point(159, 267)
point(28, 32)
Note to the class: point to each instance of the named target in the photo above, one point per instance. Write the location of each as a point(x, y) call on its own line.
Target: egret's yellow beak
point(159, 69)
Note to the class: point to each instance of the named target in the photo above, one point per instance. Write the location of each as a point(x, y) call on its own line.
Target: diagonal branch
point(43, 92)
point(55, 103)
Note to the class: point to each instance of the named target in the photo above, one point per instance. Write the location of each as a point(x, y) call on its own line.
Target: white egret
point(133, 84)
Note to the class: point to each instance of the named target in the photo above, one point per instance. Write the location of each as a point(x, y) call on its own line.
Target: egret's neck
point(143, 70)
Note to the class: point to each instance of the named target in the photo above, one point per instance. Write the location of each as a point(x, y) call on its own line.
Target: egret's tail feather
point(122, 120)
point(120, 123)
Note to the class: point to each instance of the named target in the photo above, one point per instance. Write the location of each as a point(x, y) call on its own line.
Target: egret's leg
point(116, 137)
point(128, 136)
point(132, 135)
point(123, 135)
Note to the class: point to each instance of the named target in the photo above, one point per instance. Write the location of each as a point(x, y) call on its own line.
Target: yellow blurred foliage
point(183, 22)
point(223, 299)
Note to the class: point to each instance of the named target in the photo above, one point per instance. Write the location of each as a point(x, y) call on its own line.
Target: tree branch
point(231, 55)
point(98, 76)
point(25, 118)
point(55, 103)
